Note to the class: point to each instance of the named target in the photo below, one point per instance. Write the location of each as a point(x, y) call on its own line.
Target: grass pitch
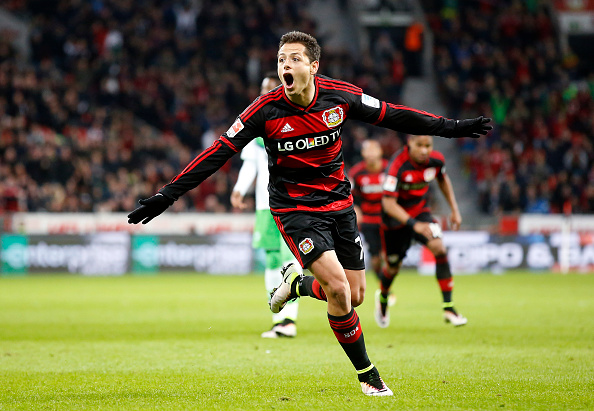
point(193, 342)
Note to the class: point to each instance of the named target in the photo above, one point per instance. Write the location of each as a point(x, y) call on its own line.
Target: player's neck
point(373, 166)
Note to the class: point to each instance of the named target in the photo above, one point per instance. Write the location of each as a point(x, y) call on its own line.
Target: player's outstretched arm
point(413, 121)
point(204, 165)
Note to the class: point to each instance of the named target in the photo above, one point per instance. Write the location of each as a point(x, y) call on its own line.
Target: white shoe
point(281, 295)
point(281, 330)
point(269, 334)
point(382, 320)
point(375, 387)
point(286, 330)
point(455, 319)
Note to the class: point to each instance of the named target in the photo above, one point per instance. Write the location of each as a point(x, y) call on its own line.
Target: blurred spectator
point(503, 58)
point(118, 95)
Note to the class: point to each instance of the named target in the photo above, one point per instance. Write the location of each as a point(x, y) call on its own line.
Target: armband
point(411, 222)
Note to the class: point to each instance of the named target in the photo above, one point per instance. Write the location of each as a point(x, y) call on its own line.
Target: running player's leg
point(395, 244)
point(445, 280)
point(344, 320)
point(267, 236)
point(313, 240)
point(289, 313)
point(371, 234)
point(283, 323)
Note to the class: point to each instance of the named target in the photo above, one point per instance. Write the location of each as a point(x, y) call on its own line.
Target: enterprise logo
point(308, 143)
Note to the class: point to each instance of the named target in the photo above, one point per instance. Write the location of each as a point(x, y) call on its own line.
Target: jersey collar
point(313, 102)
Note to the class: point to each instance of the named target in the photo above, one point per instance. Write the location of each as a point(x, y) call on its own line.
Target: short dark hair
point(312, 48)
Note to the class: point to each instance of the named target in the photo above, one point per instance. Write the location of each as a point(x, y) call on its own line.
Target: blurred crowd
point(119, 95)
point(503, 59)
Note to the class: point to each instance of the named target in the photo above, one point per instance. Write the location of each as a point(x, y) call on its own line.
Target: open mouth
point(288, 79)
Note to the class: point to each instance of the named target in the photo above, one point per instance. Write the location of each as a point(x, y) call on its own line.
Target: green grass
point(193, 342)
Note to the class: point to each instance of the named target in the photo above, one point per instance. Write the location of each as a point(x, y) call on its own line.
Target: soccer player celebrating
point(367, 178)
point(266, 234)
point(310, 196)
point(406, 216)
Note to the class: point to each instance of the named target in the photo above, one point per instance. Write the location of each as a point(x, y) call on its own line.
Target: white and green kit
point(266, 234)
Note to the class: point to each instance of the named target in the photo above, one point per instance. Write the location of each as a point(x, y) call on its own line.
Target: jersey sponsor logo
point(306, 246)
point(414, 186)
point(429, 174)
point(390, 183)
point(308, 142)
point(333, 117)
point(235, 128)
point(287, 128)
point(372, 188)
point(370, 101)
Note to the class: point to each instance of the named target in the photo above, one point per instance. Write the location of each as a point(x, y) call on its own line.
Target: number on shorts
point(358, 241)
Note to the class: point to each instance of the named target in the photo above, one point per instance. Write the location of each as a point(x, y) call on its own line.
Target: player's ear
point(314, 67)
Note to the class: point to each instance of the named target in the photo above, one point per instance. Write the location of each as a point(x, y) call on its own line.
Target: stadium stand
point(504, 58)
point(116, 97)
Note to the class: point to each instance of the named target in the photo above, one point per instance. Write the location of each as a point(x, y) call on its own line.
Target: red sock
point(349, 334)
point(309, 286)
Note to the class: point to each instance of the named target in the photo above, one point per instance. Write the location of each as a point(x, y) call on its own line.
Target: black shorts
point(371, 235)
point(308, 235)
point(396, 242)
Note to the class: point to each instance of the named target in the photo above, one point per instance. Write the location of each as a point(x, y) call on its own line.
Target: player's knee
point(393, 270)
point(357, 296)
point(439, 251)
point(437, 247)
point(338, 290)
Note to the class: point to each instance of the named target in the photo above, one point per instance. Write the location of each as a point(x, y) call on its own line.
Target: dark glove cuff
point(411, 222)
point(167, 195)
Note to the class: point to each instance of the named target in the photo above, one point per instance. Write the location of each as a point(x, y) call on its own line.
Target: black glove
point(472, 127)
point(149, 209)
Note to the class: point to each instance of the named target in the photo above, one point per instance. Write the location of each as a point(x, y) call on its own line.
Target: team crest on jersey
point(333, 116)
point(235, 128)
point(306, 246)
point(429, 174)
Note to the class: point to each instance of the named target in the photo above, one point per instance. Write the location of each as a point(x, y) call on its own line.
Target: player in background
point(266, 234)
point(406, 216)
point(310, 196)
point(367, 177)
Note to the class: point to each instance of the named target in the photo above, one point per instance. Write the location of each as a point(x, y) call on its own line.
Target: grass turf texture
point(193, 342)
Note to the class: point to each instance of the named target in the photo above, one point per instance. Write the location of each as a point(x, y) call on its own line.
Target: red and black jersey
point(408, 182)
point(368, 191)
point(304, 144)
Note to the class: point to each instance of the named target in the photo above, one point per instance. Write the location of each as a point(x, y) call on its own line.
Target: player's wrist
point(411, 222)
